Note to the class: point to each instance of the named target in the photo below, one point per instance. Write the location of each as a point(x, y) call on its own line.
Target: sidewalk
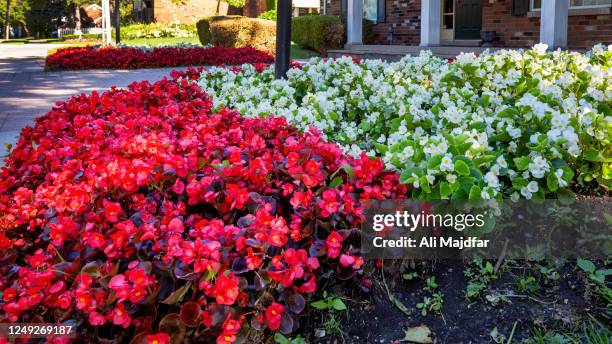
point(27, 91)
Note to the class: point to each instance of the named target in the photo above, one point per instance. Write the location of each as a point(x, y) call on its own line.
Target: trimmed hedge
point(203, 28)
point(317, 32)
point(237, 32)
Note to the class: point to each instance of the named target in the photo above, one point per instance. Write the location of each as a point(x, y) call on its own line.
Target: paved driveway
point(27, 91)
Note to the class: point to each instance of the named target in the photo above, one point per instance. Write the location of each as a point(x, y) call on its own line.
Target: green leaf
point(592, 154)
point(508, 112)
point(382, 149)
point(424, 184)
point(321, 304)
point(336, 182)
point(178, 295)
point(522, 163)
point(586, 265)
point(462, 168)
point(338, 305)
point(475, 192)
point(445, 189)
point(603, 108)
point(280, 339)
point(451, 77)
point(434, 162)
point(483, 159)
point(484, 99)
point(552, 182)
point(348, 169)
point(584, 75)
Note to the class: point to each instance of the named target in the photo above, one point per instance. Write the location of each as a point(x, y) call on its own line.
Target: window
point(370, 10)
point(373, 10)
point(448, 14)
point(537, 4)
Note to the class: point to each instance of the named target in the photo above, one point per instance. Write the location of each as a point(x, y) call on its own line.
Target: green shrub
point(203, 28)
point(156, 30)
point(268, 15)
point(368, 31)
point(316, 32)
point(238, 31)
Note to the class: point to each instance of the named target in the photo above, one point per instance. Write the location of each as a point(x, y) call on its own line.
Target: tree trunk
point(218, 7)
point(77, 14)
point(7, 25)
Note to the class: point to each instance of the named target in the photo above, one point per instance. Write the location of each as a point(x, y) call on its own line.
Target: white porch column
point(553, 23)
point(106, 24)
point(430, 23)
point(354, 22)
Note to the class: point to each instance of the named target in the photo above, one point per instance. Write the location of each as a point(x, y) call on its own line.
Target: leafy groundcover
point(521, 124)
point(124, 57)
point(141, 214)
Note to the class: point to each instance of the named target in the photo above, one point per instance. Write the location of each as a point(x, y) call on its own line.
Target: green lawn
point(299, 52)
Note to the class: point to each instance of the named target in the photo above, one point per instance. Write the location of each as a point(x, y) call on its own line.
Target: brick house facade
point(189, 12)
point(514, 26)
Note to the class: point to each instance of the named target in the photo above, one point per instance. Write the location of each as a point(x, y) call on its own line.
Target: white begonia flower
point(442, 147)
point(515, 196)
point(525, 192)
point(408, 151)
point(484, 194)
point(492, 180)
point(533, 186)
point(501, 161)
point(446, 165)
point(538, 166)
point(559, 173)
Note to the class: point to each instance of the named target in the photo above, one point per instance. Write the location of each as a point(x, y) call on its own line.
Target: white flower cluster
point(508, 123)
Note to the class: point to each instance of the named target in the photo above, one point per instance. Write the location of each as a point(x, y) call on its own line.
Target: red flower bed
point(140, 213)
point(133, 58)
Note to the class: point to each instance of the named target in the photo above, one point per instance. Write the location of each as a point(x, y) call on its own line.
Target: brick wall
point(405, 18)
point(523, 31)
point(512, 31)
point(403, 15)
point(166, 11)
point(585, 31)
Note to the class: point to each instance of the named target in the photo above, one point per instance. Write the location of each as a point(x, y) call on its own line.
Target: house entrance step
point(396, 52)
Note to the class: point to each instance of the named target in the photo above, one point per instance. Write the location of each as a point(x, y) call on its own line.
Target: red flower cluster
point(141, 209)
point(132, 58)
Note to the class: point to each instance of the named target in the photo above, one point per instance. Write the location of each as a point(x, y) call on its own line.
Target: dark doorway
point(468, 18)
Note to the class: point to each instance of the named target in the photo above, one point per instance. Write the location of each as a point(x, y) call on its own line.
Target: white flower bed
point(510, 123)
